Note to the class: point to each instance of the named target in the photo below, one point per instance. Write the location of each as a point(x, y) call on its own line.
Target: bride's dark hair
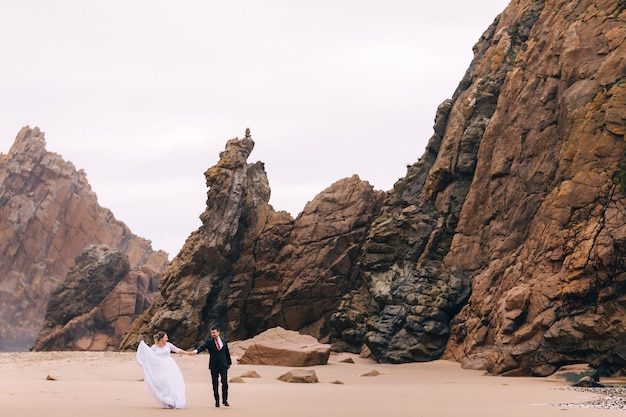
point(158, 336)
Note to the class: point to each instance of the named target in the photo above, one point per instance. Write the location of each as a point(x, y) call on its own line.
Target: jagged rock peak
point(28, 152)
point(29, 139)
point(48, 214)
point(196, 283)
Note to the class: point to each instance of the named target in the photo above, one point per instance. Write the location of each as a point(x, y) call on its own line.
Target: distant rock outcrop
point(96, 303)
point(48, 214)
point(249, 268)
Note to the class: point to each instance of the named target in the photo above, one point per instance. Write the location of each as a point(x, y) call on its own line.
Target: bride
point(162, 376)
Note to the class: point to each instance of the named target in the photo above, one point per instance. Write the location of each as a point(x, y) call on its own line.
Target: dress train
point(162, 377)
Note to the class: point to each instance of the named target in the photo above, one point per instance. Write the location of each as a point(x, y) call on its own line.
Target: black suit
point(219, 362)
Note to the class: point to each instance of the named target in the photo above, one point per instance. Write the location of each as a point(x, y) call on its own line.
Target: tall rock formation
point(503, 248)
point(48, 214)
point(249, 268)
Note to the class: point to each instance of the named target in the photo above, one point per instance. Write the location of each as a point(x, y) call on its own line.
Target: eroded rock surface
point(48, 215)
point(96, 303)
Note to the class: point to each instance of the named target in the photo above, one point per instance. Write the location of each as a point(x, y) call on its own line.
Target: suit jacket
point(218, 359)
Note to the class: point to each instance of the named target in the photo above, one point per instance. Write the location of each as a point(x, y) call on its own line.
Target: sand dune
point(109, 384)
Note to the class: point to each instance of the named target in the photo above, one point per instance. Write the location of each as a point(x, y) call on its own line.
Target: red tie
point(217, 342)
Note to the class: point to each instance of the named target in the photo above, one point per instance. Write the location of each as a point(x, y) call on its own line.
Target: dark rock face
point(406, 299)
point(249, 268)
point(48, 214)
point(96, 303)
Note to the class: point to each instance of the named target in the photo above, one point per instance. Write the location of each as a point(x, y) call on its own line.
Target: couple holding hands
point(163, 378)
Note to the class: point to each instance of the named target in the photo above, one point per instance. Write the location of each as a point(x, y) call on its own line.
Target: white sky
point(144, 94)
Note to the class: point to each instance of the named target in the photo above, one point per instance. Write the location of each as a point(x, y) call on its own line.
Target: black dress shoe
point(217, 404)
point(226, 404)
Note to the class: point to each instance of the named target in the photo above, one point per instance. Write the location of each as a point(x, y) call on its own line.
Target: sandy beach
point(110, 384)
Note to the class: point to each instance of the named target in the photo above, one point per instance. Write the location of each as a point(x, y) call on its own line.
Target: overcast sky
point(144, 94)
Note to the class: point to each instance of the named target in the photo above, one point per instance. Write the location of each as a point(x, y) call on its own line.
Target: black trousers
point(217, 374)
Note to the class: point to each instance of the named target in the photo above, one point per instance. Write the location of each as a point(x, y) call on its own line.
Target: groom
point(219, 362)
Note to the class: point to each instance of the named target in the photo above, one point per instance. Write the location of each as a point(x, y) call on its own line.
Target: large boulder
point(299, 376)
point(284, 348)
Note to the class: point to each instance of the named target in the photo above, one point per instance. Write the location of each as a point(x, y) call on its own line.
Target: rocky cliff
point(508, 235)
point(249, 268)
point(502, 247)
point(48, 214)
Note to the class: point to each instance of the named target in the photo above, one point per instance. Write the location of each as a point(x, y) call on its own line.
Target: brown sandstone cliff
point(519, 199)
point(249, 268)
point(552, 201)
point(48, 214)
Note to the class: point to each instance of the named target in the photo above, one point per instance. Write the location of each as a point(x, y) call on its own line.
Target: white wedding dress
point(161, 374)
